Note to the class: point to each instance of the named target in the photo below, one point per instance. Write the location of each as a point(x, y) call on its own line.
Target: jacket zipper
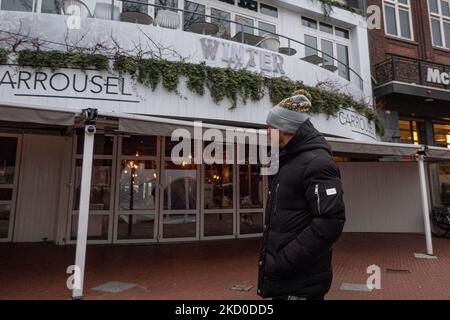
point(316, 191)
point(276, 199)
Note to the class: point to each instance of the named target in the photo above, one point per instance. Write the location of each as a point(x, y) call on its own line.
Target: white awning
point(26, 114)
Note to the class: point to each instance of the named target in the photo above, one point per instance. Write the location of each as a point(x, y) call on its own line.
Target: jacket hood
point(306, 138)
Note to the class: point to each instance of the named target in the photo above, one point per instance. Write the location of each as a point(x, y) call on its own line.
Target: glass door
point(9, 167)
point(137, 194)
point(251, 202)
point(218, 205)
point(179, 209)
point(102, 189)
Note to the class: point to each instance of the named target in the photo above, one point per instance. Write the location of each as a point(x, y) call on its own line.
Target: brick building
point(410, 58)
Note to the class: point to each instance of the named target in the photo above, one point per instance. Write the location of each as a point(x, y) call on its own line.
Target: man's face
point(283, 137)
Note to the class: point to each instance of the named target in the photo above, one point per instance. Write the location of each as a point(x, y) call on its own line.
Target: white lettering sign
point(238, 56)
point(438, 77)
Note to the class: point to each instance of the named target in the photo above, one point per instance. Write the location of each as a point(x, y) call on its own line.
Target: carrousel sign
point(107, 91)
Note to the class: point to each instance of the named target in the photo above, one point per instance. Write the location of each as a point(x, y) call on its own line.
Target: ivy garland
point(327, 6)
point(3, 56)
point(235, 85)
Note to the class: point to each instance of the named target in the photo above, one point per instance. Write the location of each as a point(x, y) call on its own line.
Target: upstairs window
point(15, 5)
point(397, 18)
point(440, 22)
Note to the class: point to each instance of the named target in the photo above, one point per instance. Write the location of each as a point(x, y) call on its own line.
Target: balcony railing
point(411, 71)
point(139, 11)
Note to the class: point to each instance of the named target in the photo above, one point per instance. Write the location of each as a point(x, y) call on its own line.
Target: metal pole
point(83, 215)
point(425, 208)
point(112, 9)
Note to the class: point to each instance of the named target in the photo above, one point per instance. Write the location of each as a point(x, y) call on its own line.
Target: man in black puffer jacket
point(305, 211)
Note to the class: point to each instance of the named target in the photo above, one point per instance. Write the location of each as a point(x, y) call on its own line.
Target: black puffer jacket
point(305, 215)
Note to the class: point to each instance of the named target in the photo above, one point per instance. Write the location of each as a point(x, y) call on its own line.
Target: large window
point(196, 13)
point(329, 43)
point(441, 135)
point(440, 22)
point(18, 5)
point(397, 18)
point(222, 19)
point(411, 131)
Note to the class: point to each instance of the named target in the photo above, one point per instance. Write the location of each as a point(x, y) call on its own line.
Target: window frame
point(441, 19)
point(397, 7)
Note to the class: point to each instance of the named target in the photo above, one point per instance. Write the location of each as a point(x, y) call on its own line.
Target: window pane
point(6, 194)
point(103, 145)
point(138, 180)
point(179, 225)
point(17, 5)
point(246, 22)
point(135, 7)
point(326, 28)
point(180, 186)
point(139, 146)
point(391, 24)
point(342, 33)
point(8, 146)
point(100, 185)
point(224, 25)
point(404, 24)
point(327, 48)
point(310, 23)
point(190, 18)
point(218, 186)
point(269, 10)
point(342, 56)
point(433, 6)
point(311, 45)
point(445, 8)
point(250, 187)
point(436, 31)
point(447, 34)
point(5, 213)
point(136, 226)
point(266, 28)
point(171, 144)
point(218, 224)
point(97, 227)
point(251, 223)
point(52, 6)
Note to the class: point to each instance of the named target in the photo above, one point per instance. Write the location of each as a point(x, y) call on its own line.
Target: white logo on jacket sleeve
point(331, 191)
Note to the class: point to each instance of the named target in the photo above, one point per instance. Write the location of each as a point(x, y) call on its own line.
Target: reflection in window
point(135, 7)
point(266, 28)
point(136, 226)
point(218, 186)
point(52, 6)
point(179, 225)
point(103, 145)
point(190, 18)
point(311, 45)
point(250, 187)
point(251, 223)
point(100, 184)
point(180, 186)
point(441, 135)
point(138, 181)
point(222, 19)
point(269, 10)
point(5, 215)
point(166, 5)
point(139, 146)
point(440, 22)
point(343, 61)
point(247, 23)
point(8, 148)
point(218, 224)
point(17, 5)
point(98, 226)
point(397, 18)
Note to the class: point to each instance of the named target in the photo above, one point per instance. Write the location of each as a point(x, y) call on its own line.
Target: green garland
point(3, 56)
point(55, 60)
point(234, 85)
point(327, 6)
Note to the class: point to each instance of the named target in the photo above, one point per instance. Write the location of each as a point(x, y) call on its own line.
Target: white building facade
point(138, 194)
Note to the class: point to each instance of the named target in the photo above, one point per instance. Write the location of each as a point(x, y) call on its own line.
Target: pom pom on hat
point(300, 101)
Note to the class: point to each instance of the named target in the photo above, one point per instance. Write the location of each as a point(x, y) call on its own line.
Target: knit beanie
point(289, 114)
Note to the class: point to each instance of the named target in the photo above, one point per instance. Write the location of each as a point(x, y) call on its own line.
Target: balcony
point(412, 71)
point(193, 18)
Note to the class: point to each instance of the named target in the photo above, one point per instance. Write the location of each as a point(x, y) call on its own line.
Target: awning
point(37, 115)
